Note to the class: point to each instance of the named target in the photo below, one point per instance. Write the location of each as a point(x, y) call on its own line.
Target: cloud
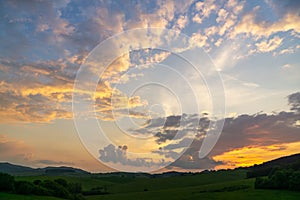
point(197, 18)
point(286, 66)
point(294, 101)
point(244, 132)
point(236, 6)
point(142, 58)
point(199, 40)
point(289, 50)
point(167, 135)
point(240, 134)
point(229, 53)
point(205, 8)
point(283, 7)
point(250, 24)
point(174, 127)
point(44, 91)
point(61, 43)
point(48, 27)
point(270, 45)
point(258, 130)
point(15, 151)
point(65, 41)
point(37, 104)
point(250, 155)
point(181, 22)
point(118, 155)
point(53, 162)
point(228, 16)
point(193, 162)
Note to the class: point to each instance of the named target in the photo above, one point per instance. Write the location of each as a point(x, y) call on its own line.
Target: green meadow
point(224, 184)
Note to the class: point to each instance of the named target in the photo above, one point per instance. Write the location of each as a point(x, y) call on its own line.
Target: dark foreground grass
point(6, 196)
point(236, 195)
point(151, 184)
point(233, 190)
point(87, 181)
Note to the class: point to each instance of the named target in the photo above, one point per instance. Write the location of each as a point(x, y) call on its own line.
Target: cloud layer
point(242, 138)
point(41, 53)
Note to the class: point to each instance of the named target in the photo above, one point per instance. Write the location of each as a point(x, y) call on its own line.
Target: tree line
point(283, 176)
point(57, 188)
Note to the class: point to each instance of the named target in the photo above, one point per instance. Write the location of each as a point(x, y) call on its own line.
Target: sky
point(149, 86)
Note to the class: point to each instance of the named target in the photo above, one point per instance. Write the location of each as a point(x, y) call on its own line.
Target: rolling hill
point(19, 170)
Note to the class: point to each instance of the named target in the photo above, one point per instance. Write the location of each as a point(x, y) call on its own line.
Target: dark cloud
point(257, 130)
point(190, 163)
point(287, 6)
point(179, 126)
point(167, 128)
point(244, 130)
point(165, 136)
point(294, 101)
point(118, 155)
point(248, 130)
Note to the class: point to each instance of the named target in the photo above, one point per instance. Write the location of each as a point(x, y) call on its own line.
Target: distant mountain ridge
point(12, 169)
point(24, 170)
point(20, 170)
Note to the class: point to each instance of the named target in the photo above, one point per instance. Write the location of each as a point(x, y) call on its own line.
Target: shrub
point(74, 188)
point(285, 179)
point(294, 183)
point(55, 189)
point(37, 182)
point(24, 187)
point(61, 182)
point(6, 182)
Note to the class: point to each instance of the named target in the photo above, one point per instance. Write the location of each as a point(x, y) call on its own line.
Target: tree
point(37, 182)
point(61, 182)
point(74, 188)
point(24, 187)
point(294, 183)
point(56, 189)
point(6, 182)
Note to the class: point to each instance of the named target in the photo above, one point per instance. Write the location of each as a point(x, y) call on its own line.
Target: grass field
point(5, 196)
point(124, 184)
point(242, 189)
point(214, 185)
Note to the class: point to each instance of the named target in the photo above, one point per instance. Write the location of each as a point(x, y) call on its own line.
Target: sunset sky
point(165, 72)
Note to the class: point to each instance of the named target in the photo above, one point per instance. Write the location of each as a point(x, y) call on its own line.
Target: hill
point(16, 169)
point(19, 170)
point(266, 168)
point(222, 184)
point(281, 162)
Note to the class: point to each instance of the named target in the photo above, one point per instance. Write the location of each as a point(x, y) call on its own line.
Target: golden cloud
point(250, 155)
point(270, 45)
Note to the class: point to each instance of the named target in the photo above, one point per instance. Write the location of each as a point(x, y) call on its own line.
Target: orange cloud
point(32, 100)
point(250, 155)
point(12, 150)
point(270, 45)
point(21, 103)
